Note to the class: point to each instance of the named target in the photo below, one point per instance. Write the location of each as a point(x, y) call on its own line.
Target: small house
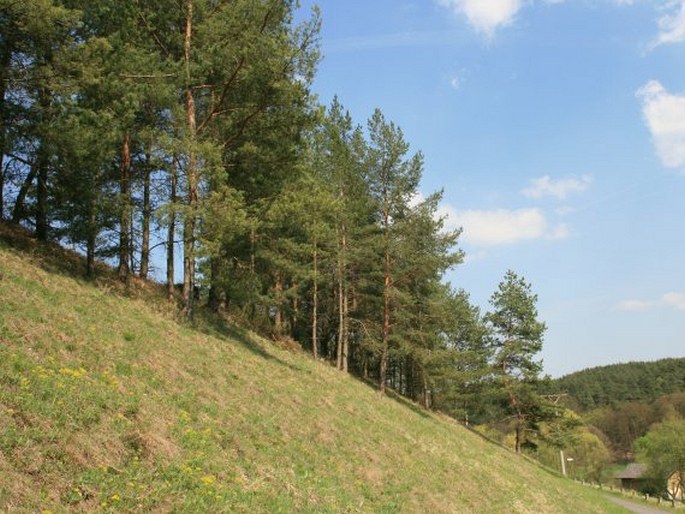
point(633, 477)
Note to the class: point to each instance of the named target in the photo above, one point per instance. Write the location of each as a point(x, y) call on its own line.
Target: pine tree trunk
point(171, 235)
point(42, 163)
point(189, 220)
point(4, 68)
point(343, 328)
point(426, 392)
point(295, 318)
point(189, 260)
point(346, 329)
point(217, 296)
point(387, 283)
point(253, 245)
point(515, 405)
point(213, 295)
point(131, 241)
point(315, 305)
point(42, 196)
point(147, 215)
point(18, 213)
point(278, 314)
point(124, 269)
point(90, 240)
point(341, 324)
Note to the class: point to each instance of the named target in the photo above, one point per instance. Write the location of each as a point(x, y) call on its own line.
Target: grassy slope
point(108, 403)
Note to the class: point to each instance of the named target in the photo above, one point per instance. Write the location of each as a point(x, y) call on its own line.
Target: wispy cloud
point(558, 232)
point(634, 306)
point(664, 114)
point(486, 16)
point(674, 300)
point(547, 186)
point(671, 300)
point(671, 25)
point(455, 82)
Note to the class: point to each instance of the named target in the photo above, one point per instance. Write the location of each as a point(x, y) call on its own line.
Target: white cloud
point(671, 300)
point(664, 114)
point(500, 227)
point(547, 186)
point(495, 227)
point(672, 25)
point(485, 16)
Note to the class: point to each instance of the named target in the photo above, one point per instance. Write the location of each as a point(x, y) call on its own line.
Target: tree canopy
point(181, 141)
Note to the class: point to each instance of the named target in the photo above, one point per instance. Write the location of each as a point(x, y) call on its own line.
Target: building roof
point(633, 470)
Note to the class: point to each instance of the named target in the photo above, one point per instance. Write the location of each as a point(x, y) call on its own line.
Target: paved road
point(638, 508)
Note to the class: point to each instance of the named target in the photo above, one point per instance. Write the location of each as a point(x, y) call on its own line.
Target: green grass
point(108, 403)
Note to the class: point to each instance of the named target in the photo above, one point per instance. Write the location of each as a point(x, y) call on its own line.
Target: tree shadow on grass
point(405, 402)
point(47, 255)
point(212, 325)
point(53, 258)
point(397, 397)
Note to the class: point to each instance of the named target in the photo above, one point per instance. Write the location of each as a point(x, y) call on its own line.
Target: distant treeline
point(622, 383)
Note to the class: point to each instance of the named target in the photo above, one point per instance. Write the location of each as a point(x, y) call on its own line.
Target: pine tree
point(338, 152)
point(460, 366)
point(517, 337)
point(393, 179)
point(424, 251)
point(242, 65)
point(38, 46)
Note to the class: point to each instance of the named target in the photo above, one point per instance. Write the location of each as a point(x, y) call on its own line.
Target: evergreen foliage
point(621, 383)
point(516, 340)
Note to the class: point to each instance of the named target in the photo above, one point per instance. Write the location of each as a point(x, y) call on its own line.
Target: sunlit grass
point(109, 404)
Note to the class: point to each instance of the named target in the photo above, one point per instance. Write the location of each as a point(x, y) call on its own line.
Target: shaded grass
point(108, 403)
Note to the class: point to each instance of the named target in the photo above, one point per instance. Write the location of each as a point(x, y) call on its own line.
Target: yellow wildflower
point(208, 479)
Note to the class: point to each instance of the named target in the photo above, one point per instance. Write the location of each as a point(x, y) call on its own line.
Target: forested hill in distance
point(621, 383)
point(109, 404)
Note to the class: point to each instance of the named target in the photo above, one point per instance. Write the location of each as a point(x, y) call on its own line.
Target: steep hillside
point(107, 403)
point(621, 383)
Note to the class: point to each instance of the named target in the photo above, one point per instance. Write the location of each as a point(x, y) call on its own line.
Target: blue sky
point(557, 130)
